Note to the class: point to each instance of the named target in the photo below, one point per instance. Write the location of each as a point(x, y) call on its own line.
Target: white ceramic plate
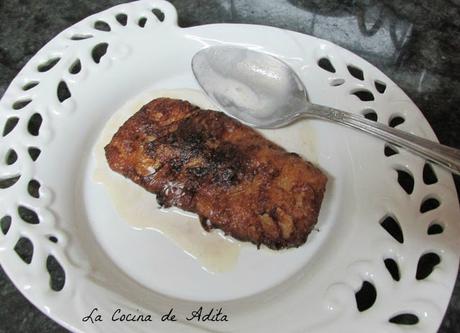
point(110, 265)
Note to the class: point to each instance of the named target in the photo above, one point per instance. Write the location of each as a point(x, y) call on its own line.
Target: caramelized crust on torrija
point(205, 162)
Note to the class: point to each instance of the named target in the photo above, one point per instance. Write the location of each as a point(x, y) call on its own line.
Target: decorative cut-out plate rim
point(401, 211)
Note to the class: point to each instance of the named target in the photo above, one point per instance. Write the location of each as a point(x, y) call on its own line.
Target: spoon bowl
point(262, 91)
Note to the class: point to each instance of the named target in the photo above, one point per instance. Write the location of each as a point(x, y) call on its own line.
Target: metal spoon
point(263, 91)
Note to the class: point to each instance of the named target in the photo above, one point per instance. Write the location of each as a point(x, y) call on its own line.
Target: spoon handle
point(443, 155)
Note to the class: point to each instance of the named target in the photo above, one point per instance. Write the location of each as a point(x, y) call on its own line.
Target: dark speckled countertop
point(416, 43)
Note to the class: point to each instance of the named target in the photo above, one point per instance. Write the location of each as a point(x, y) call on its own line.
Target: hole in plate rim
point(34, 152)
point(99, 51)
point(429, 175)
point(424, 254)
point(32, 128)
point(102, 25)
point(30, 85)
point(75, 67)
point(159, 14)
point(21, 103)
point(80, 36)
point(396, 274)
point(56, 272)
point(370, 114)
point(10, 124)
point(325, 64)
point(11, 156)
point(366, 295)
point(33, 188)
point(380, 86)
point(435, 224)
point(355, 71)
point(28, 215)
point(404, 170)
point(142, 22)
point(122, 18)
point(53, 239)
point(399, 316)
point(48, 64)
point(396, 119)
point(7, 182)
point(24, 248)
point(429, 200)
point(63, 92)
point(5, 224)
point(390, 149)
point(363, 94)
point(399, 237)
point(399, 166)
